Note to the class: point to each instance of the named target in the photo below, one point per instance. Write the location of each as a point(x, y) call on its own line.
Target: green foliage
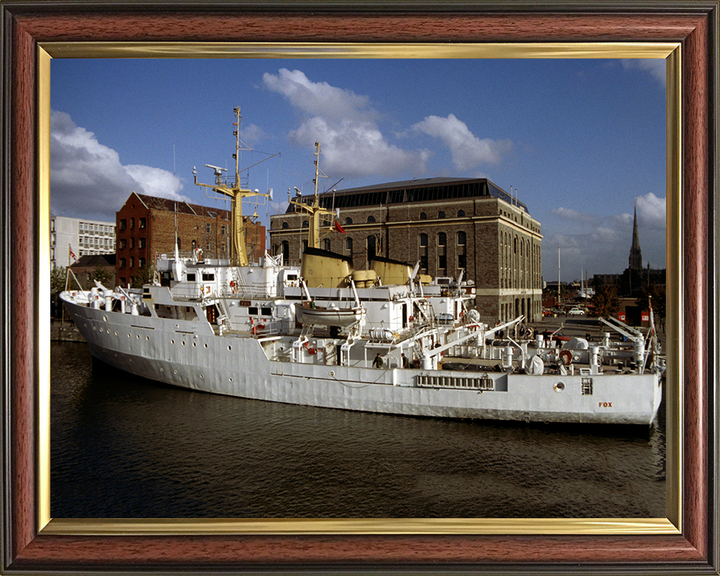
point(605, 300)
point(143, 276)
point(103, 275)
point(57, 281)
point(654, 294)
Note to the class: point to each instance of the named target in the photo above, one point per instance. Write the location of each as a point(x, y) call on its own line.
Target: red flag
point(339, 228)
point(72, 254)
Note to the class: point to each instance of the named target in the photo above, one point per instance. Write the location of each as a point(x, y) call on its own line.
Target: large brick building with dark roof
point(146, 229)
point(449, 225)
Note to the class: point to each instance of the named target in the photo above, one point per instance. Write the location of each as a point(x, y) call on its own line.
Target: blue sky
point(582, 141)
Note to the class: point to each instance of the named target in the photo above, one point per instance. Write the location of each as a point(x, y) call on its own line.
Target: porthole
point(229, 348)
point(194, 344)
point(205, 345)
point(116, 333)
point(137, 336)
point(147, 338)
point(175, 372)
point(162, 369)
point(230, 379)
point(202, 377)
point(183, 342)
point(559, 387)
point(172, 341)
point(105, 318)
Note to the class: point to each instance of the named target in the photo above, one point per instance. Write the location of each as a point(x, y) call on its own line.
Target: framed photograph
point(682, 35)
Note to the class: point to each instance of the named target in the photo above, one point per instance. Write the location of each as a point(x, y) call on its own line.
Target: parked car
point(576, 312)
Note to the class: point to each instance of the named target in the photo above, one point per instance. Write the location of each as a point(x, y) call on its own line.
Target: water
point(125, 447)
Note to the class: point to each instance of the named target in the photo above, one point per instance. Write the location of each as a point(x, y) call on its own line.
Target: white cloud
point(651, 211)
point(252, 134)
point(87, 178)
point(318, 98)
point(467, 150)
point(654, 67)
point(601, 244)
point(345, 125)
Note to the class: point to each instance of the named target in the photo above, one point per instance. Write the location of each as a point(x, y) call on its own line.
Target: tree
point(57, 285)
point(654, 295)
point(605, 300)
point(103, 275)
point(143, 276)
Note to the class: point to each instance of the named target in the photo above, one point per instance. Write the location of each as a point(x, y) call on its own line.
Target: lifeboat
point(312, 315)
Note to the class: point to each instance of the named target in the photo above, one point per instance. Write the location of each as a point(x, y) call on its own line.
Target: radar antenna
point(236, 193)
point(314, 209)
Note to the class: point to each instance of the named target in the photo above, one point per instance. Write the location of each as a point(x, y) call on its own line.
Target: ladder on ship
point(240, 287)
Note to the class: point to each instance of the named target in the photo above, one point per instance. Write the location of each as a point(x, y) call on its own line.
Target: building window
point(371, 219)
point(208, 228)
point(207, 246)
point(122, 264)
point(141, 242)
point(285, 225)
point(348, 244)
point(461, 213)
point(461, 238)
point(141, 262)
point(441, 214)
point(305, 224)
point(132, 262)
point(348, 221)
point(423, 216)
point(123, 224)
point(222, 229)
point(461, 261)
point(327, 244)
point(442, 239)
point(423, 252)
point(132, 223)
point(143, 223)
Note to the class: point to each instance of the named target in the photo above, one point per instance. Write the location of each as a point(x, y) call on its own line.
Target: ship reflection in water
point(127, 447)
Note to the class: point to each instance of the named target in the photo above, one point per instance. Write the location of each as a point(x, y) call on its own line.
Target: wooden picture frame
point(32, 30)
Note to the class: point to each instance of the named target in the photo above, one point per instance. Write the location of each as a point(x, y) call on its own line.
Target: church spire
point(635, 261)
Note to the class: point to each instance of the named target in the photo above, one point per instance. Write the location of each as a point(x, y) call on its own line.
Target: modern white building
point(81, 237)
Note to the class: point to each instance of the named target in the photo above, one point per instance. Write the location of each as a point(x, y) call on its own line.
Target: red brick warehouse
point(146, 228)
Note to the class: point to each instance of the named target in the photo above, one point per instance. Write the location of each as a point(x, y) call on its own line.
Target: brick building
point(146, 229)
point(447, 224)
point(87, 266)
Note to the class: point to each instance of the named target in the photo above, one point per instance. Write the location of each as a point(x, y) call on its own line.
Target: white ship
point(374, 340)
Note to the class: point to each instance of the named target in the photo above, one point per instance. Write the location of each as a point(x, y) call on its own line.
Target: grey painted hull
point(191, 355)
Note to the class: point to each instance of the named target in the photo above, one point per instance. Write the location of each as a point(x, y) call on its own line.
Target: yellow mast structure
point(314, 209)
point(238, 251)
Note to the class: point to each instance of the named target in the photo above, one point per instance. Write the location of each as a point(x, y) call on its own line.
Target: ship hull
point(190, 355)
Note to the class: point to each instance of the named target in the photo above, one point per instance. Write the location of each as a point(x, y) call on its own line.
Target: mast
point(238, 251)
point(314, 209)
point(559, 274)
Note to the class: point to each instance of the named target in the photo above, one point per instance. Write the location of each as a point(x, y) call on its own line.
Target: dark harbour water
point(125, 447)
